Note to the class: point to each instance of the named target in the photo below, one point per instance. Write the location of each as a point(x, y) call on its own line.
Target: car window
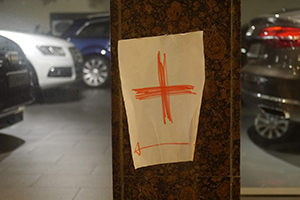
point(254, 50)
point(98, 29)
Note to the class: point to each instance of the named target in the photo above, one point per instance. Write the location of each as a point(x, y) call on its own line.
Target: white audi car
point(54, 62)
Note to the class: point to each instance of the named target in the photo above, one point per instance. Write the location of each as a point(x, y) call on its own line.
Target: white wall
point(252, 8)
point(24, 15)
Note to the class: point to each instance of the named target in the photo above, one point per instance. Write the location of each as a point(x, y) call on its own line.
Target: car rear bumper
point(13, 114)
point(286, 108)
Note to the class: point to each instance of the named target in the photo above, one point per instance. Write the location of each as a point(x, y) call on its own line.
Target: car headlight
point(51, 50)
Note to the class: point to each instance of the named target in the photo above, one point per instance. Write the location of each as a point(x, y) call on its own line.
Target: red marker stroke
point(163, 90)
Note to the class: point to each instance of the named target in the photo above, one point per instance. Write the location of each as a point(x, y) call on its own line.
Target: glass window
point(98, 29)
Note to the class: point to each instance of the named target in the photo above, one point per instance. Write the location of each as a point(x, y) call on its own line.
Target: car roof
point(77, 24)
point(100, 15)
point(92, 17)
point(294, 14)
point(290, 14)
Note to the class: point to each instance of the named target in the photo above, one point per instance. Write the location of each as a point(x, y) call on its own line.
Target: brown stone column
point(214, 173)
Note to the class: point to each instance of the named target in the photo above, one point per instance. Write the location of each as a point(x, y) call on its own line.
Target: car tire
point(35, 88)
point(96, 71)
point(271, 129)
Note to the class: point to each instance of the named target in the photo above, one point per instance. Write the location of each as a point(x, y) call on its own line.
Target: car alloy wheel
point(96, 71)
point(271, 127)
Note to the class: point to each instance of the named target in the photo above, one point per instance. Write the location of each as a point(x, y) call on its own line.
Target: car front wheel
point(271, 128)
point(96, 71)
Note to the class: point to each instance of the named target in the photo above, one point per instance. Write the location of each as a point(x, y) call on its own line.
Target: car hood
point(24, 39)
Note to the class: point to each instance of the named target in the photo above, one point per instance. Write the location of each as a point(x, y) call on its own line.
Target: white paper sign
point(162, 81)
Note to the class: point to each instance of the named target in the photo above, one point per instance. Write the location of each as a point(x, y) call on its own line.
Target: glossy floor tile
point(268, 168)
point(61, 150)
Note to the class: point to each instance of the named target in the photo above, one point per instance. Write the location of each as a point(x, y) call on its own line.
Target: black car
point(15, 83)
point(271, 77)
point(91, 35)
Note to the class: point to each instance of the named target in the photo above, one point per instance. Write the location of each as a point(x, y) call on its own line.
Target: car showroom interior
point(55, 117)
point(269, 131)
point(56, 142)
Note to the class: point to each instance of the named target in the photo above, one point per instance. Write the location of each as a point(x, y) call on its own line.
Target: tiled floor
point(268, 168)
point(66, 150)
point(62, 150)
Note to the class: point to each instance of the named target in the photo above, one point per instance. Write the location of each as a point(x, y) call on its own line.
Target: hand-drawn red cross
point(163, 90)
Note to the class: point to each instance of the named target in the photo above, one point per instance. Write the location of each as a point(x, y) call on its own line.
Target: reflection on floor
point(9, 143)
point(62, 149)
point(276, 165)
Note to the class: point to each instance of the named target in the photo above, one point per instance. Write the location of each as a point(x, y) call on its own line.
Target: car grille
point(78, 60)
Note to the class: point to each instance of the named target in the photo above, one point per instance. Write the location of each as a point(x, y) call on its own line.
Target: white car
point(55, 62)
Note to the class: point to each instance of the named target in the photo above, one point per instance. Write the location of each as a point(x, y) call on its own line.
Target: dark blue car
point(91, 36)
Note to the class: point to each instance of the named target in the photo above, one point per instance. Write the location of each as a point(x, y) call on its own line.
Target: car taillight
point(280, 36)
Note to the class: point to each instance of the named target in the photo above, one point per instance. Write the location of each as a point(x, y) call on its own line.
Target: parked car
point(53, 61)
point(271, 78)
point(91, 36)
point(15, 89)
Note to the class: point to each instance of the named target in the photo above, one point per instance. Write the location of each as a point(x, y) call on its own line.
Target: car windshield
point(97, 29)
